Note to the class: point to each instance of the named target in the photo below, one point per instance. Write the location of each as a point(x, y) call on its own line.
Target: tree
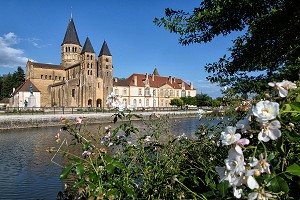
point(188, 100)
point(10, 81)
point(203, 100)
point(176, 102)
point(267, 49)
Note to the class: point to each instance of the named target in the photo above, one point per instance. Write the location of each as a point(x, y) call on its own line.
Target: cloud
point(9, 56)
point(206, 87)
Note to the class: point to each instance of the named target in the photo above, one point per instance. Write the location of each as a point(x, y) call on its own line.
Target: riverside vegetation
point(252, 152)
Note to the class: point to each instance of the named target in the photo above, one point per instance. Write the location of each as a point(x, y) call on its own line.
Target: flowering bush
point(257, 147)
point(263, 159)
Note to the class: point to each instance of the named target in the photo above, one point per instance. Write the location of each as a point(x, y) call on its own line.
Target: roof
point(5, 100)
point(154, 81)
point(25, 87)
point(104, 50)
point(155, 72)
point(72, 66)
point(71, 36)
point(87, 47)
point(45, 66)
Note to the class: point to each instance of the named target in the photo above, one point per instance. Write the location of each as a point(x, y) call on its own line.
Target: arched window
point(46, 76)
point(106, 60)
point(92, 65)
point(88, 57)
point(50, 77)
point(88, 72)
point(42, 76)
point(88, 65)
point(91, 57)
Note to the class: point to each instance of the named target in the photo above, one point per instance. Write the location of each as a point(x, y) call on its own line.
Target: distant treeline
point(10, 81)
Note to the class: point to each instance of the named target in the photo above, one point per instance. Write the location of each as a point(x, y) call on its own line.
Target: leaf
point(110, 168)
point(113, 191)
point(295, 106)
point(64, 174)
point(107, 159)
point(294, 169)
point(129, 191)
point(80, 170)
point(278, 184)
point(223, 187)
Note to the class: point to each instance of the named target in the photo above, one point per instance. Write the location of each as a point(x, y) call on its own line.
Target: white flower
point(270, 131)
point(261, 165)
point(237, 192)
point(266, 110)
point(283, 87)
point(147, 139)
point(243, 125)
point(228, 136)
point(235, 162)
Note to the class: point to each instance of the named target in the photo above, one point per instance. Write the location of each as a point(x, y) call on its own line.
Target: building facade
point(81, 80)
point(147, 91)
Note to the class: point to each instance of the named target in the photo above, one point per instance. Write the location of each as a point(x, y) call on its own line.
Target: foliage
point(10, 81)
point(266, 50)
point(176, 102)
point(127, 163)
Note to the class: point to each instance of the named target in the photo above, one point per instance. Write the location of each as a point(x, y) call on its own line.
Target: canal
point(26, 170)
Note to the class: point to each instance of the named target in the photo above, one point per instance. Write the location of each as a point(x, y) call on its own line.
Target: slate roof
point(71, 36)
point(46, 66)
point(104, 50)
point(24, 87)
point(157, 82)
point(87, 47)
point(155, 72)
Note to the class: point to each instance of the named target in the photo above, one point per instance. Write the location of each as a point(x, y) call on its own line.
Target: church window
point(91, 72)
point(46, 76)
point(42, 76)
point(92, 65)
point(50, 77)
point(87, 57)
point(98, 85)
point(107, 73)
point(91, 57)
point(88, 72)
point(69, 49)
point(106, 60)
point(88, 65)
point(55, 77)
point(73, 92)
point(59, 78)
point(106, 66)
point(73, 50)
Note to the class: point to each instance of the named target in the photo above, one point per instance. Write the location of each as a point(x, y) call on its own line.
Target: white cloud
point(9, 56)
point(205, 87)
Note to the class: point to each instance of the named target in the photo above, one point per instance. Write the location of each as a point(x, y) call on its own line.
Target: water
point(26, 170)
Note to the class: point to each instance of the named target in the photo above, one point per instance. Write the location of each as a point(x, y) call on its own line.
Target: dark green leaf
point(223, 187)
point(80, 170)
point(294, 169)
point(64, 174)
point(278, 184)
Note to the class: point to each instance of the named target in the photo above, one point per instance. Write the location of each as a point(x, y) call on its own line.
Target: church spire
point(104, 50)
point(87, 47)
point(71, 36)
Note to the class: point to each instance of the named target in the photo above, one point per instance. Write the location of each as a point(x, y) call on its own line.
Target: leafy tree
point(10, 81)
point(203, 100)
point(267, 49)
point(19, 77)
point(188, 100)
point(176, 102)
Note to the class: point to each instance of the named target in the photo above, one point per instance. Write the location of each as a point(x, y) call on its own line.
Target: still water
point(26, 170)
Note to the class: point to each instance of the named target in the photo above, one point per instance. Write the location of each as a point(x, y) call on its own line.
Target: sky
point(34, 30)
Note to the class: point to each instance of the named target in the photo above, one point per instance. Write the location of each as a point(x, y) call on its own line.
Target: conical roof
point(71, 36)
point(87, 47)
point(155, 72)
point(104, 50)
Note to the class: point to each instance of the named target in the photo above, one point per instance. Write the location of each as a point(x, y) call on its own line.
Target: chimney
point(170, 79)
point(116, 79)
point(191, 86)
point(135, 80)
point(174, 79)
point(146, 76)
point(152, 77)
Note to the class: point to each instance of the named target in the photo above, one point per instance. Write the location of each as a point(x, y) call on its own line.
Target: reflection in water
point(26, 170)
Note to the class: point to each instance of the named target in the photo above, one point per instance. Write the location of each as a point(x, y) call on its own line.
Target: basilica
point(85, 79)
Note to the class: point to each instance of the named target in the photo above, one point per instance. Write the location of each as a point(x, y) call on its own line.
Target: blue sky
point(35, 30)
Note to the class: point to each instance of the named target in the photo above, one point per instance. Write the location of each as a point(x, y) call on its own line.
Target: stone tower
point(105, 70)
point(70, 47)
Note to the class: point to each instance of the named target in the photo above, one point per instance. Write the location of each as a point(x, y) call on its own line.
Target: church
point(85, 80)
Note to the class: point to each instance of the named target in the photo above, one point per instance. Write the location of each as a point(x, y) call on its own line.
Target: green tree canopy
point(176, 102)
point(267, 49)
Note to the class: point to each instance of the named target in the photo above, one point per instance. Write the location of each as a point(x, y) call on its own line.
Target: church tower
point(70, 47)
point(105, 70)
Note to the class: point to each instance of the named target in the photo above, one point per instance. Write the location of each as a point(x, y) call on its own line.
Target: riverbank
point(36, 121)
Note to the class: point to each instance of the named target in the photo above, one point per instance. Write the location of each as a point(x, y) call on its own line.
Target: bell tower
point(70, 47)
point(105, 70)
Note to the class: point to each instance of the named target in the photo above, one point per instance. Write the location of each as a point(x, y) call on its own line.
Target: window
point(147, 91)
point(46, 76)
point(92, 65)
point(88, 65)
point(154, 103)
point(162, 103)
point(55, 77)
point(42, 76)
point(106, 66)
point(59, 78)
point(117, 91)
point(73, 92)
point(140, 102)
point(167, 93)
point(147, 102)
point(189, 93)
point(88, 72)
point(161, 92)
point(64, 78)
point(98, 85)
point(167, 103)
point(87, 57)
point(107, 73)
point(91, 72)
point(183, 93)
point(134, 102)
point(91, 57)
point(154, 92)
point(124, 92)
point(50, 77)
point(171, 93)
point(177, 93)
point(140, 91)
point(106, 60)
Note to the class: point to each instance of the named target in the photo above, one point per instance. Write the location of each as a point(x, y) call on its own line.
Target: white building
point(143, 90)
point(26, 95)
